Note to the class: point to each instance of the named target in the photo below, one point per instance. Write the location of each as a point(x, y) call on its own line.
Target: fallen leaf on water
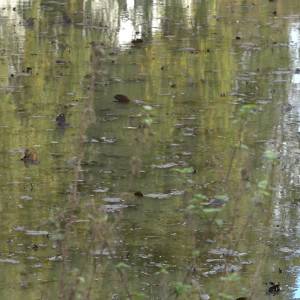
point(30, 156)
point(226, 252)
point(9, 261)
point(211, 210)
point(285, 250)
point(26, 198)
point(100, 190)
point(56, 258)
point(157, 195)
point(36, 232)
point(112, 200)
point(165, 166)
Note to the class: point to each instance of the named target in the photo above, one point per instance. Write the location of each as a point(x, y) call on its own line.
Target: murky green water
point(210, 139)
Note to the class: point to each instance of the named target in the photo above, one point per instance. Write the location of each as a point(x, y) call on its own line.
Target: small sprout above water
point(263, 184)
point(122, 265)
point(181, 288)
point(148, 121)
point(247, 108)
point(270, 155)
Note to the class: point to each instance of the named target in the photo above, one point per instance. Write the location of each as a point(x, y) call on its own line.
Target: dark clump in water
point(274, 288)
point(61, 121)
point(121, 98)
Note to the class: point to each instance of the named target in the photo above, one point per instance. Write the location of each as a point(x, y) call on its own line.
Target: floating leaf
point(148, 121)
point(211, 210)
point(222, 197)
point(200, 196)
point(147, 107)
point(247, 108)
point(165, 166)
point(36, 232)
point(162, 271)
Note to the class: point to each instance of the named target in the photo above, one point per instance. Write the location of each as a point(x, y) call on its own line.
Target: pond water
point(189, 190)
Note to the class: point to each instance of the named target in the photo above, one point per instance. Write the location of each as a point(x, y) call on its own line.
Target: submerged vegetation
point(149, 149)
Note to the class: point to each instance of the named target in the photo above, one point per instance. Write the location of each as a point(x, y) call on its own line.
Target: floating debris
point(121, 98)
point(30, 156)
point(274, 288)
point(114, 208)
point(138, 194)
point(101, 190)
point(61, 120)
point(164, 195)
point(226, 252)
point(56, 258)
point(26, 198)
point(137, 41)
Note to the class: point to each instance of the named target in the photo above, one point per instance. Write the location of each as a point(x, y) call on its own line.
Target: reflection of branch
point(73, 198)
point(234, 152)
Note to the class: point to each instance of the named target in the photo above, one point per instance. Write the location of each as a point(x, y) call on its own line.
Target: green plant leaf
point(219, 222)
point(222, 197)
point(122, 265)
point(148, 121)
point(181, 288)
point(200, 196)
point(189, 170)
point(226, 296)
point(231, 277)
point(270, 155)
